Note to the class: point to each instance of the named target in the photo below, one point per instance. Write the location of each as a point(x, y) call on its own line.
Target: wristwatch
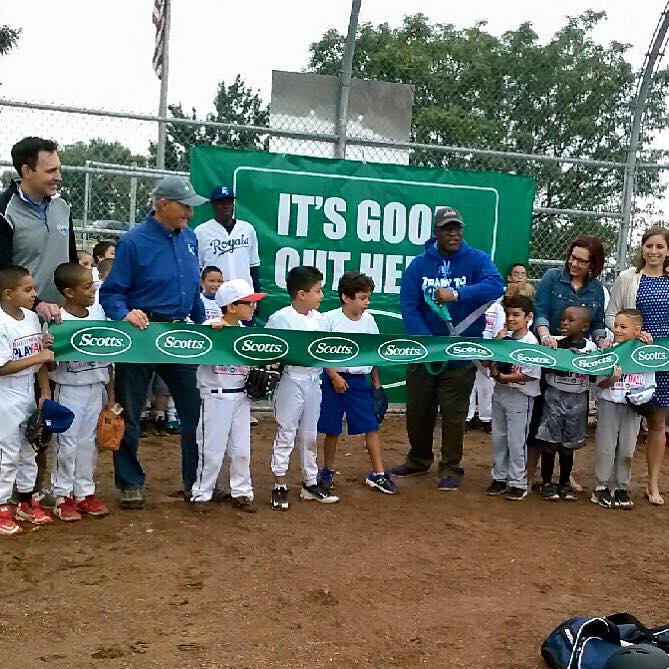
point(455, 295)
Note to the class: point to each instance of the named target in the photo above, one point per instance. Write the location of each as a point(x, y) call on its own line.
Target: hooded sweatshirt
point(469, 271)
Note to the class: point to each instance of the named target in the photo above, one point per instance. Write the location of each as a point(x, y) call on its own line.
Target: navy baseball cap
point(221, 192)
point(56, 417)
point(445, 215)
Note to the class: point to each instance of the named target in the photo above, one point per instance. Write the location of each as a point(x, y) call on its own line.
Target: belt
point(225, 391)
point(160, 318)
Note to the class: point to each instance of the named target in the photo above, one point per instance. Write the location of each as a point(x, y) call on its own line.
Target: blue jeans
point(132, 382)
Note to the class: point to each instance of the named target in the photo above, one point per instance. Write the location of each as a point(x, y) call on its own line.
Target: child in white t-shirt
point(211, 279)
point(347, 390)
point(618, 422)
point(512, 402)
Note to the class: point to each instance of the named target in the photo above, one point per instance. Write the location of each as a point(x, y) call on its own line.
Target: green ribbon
point(118, 341)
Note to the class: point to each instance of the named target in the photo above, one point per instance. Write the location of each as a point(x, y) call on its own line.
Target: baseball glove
point(380, 402)
point(38, 436)
point(111, 427)
point(261, 382)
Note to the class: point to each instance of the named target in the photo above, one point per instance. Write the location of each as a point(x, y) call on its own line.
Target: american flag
point(159, 20)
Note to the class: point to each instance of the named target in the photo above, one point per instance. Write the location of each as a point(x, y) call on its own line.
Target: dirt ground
point(423, 578)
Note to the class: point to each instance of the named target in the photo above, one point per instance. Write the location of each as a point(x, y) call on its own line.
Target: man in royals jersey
point(228, 243)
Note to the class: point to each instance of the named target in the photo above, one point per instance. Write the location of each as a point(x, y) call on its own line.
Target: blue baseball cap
point(221, 192)
point(56, 417)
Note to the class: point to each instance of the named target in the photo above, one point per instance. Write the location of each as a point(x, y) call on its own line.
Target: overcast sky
point(92, 53)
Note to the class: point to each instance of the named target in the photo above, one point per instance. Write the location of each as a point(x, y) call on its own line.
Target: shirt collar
point(37, 204)
point(565, 277)
point(151, 220)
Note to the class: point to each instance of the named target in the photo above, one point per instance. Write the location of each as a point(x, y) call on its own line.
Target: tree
point(236, 103)
point(9, 38)
point(568, 98)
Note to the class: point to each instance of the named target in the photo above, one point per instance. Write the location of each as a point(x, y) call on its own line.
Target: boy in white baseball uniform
point(617, 422)
point(24, 352)
point(225, 409)
point(85, 388)
point(210, 281)
point(512, 402)
point(346, 390)
point(297, 398)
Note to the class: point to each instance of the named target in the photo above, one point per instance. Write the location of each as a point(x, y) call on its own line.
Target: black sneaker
point(514, 494)
point(622, 499)
point(496, 488)
point(142, 429)
point(549, 491)
point(245, 504)
point(280, 499)
point(160, 426)
point(602, 498)
point(221, 496)
point(486, 427)
point(408, 469)
point(567, 493)
point(317, 494)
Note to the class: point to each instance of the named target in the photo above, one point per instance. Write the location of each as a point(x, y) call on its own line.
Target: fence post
point(87, 202)
point(132, 214)
point(635, 138)
point(345, 80)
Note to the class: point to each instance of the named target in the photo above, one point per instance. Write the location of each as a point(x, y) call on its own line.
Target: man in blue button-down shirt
point(155, 277)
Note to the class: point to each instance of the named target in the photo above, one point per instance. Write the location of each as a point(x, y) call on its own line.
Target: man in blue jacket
point(467, 280)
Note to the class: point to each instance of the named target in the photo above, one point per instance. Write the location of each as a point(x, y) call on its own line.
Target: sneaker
point(221, 496)
point(132, 498)
point(603, 498)
point(567, 492)
point(623, 500)
point(173, 426)
point(47, 500)
point(280, 499)
point(142, 429)
point(486, 427)
point(254, 420)
point(326, 478)
point(468, 425)
point(159, 426)
point(7, 524)
point(92, 506)
point(382, 482)
point(244, 504)
point(33, 513)
point(496, 488)
point(67, 510)
point(408, 469)
point(448, 484)
point(317, 494)
point(549, 491)
point(515, 494)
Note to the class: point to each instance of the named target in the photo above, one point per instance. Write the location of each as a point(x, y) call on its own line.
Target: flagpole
point(162, 109)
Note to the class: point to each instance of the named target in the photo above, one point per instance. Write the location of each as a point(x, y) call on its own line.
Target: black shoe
point(280, 499)
point(142, 429)
point(244, 504)
point(514, 494)
point(486, 427)
point(408, 469)
point(623, 500)
point(603, 498)
point(315, 493)
point(468, 425)
point(496, 488)
point(221, 496)
point(567, 492)
point(160, 426)
point(549, 491)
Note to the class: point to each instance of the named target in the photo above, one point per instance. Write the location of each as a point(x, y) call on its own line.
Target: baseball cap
point(236, 290)
point(221, 192)
point(179, 189)
point(445, 215)
point(56, 417)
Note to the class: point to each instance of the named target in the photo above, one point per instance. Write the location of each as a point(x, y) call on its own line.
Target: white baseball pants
point(17, 456)
point(481, 397)
point(297, 406)
point(224, 427)
point(75, 453)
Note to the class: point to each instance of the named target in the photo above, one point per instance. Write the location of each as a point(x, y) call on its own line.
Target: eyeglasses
point(579, 261)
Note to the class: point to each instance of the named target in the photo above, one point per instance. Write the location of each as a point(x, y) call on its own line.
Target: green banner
point(343, 215)
point(118, 341)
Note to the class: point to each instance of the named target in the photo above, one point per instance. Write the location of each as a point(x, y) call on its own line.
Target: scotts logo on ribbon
point(468, 350)
point(260, 347)
point(402, 350)
point(101, 340)
point(333, 349)
point(528, 356)
point(651, 356)
point(183, 343)
point(592, 364)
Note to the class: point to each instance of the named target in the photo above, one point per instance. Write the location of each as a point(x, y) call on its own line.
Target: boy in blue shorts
point(347, 390)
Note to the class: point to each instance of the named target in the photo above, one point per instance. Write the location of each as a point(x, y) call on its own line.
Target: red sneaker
point(67, 510)
point(33, 513)
point(92, 506)
point(7, 524)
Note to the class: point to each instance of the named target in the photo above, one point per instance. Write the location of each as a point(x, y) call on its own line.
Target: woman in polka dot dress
point(646, 288)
